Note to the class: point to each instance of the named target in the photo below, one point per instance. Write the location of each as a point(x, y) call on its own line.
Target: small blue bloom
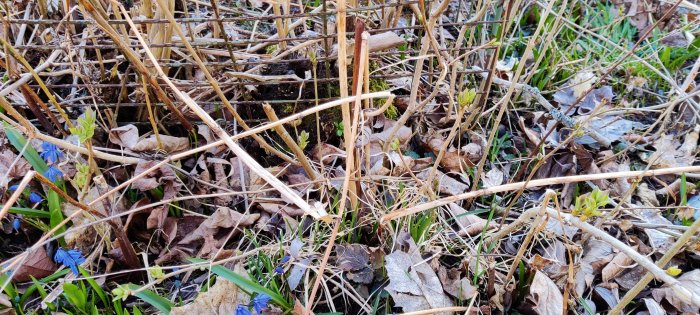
point(50, 152)
point(260, 302)
point(279, 270)
point(35, 198)
point(242, 310)
point(53, 174)
point(70, 258)
point(284, 259)
point(12, 188)
point(16, 224)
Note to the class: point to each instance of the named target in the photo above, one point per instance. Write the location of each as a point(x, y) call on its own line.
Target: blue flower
point(16, 224)
point(53, 174)
point(279, 270)
point(284, 259)
point(242, 310)
point(260, 302)
point(12, 188)
point(70, 258)
point(35, 198)
point(50, 152)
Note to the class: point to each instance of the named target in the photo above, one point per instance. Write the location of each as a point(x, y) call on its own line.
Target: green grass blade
point(19, 142)
point(152, 298)
point(246, 284)
point(28, 212)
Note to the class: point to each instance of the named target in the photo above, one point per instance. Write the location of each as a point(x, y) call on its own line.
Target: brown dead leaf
point(596, 254)
point(470, 224)
point(354, 260)
point(221, 298)
point(546, 295)
point(8, 170)
point(223, 218)
point(689, 281)
point(446, 184)
point(37, 265)
point(671, 153)
point(455, 160)
point(617, 265)
point(128, 137)
point(456, 286)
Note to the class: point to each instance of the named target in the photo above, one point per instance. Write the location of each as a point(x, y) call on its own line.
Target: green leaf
point(19, 142)
point(27, 212)
point(152, 298)
point(75, 295)
point(96, 287)
point(245, 284)
point(55, 214)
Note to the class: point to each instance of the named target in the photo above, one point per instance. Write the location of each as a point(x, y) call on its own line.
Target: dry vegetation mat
point(349, 157)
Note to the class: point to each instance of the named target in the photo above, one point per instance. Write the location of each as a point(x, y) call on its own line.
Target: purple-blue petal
point(260, 302)
point(50, 153)
point(16, 224)
point(279, 270)
point(13, 188)
point(53, 174)
point(35, 198)
point(242, 310)
point(284, 259)
point(70, 258)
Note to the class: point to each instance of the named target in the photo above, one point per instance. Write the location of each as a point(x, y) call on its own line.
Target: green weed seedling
point(586, 206)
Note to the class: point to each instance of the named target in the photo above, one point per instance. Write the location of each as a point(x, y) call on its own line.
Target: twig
point(316, 211)
point(534, 183)
point(18, 192)
point(665, 259)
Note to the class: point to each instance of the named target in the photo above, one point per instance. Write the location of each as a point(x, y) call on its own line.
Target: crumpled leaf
point(617, 265)
point(456, 286)
point(164, 176)
point(455, 160)
point(470, 224)
point(10, 171)
point(691, 282)
point(658, 240)
point(610, 127)
point(446, 184)
point(492, 178)
point(413, 284)
point(653, 307)
point(596, 255)
point(546, 295)
point(222, 218)
point(221, 298)
point(577, 86)
point(354, 260)
point(670, 154)
point(37, 265)
point(128, 137)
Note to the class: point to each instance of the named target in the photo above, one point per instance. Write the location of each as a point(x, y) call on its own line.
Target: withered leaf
point(224, 217)
point(546, 295)
point(37, 265)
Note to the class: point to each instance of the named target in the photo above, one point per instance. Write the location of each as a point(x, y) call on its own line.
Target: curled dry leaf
point(456, 286)
point(455, 160)
point(617, 265)
point(128, 137)
point(469, 224)
point(446, 184)
point(689, 281)
point(596, 255)
point(354, 260)
point(413, 284)
point(225, 218)
point(8, 170)
point(221, 298)
point(546, 295)
point(492, 178)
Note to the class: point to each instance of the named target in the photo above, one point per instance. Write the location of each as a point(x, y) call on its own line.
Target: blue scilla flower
point(16, 225)
point(284, 259)
point(279, 270)
point(260, 302)
point(70, 258)
point(12, 188)
point(50, 152)
point(53, 174)
point(35, 198)
point(242, 310)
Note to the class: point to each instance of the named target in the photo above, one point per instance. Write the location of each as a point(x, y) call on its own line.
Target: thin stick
point(15, 195)
point(535, 183)
point(665, 259)
point(287, 138)
point(316, 211)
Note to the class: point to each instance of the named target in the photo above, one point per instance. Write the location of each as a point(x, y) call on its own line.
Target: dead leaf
point(456, 286)
point(617, 265)
point(37, 265)
point(492, 178)
point(596, 254)
point(546, 295)
point(689, 281)
point(446, 184)
point(354, 260)
point(221, 298)
point(669, 153)
point(653, 307)
point(413, 285)
point(470, 224)
point(8, 170)
point(128, 137)
point(223, 218)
